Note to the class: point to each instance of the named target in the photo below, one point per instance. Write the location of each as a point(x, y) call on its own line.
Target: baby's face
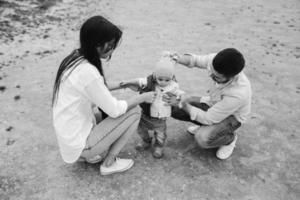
point(163, 81)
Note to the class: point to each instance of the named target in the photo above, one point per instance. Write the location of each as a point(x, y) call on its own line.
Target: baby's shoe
point(158, 152)
point(142, 145)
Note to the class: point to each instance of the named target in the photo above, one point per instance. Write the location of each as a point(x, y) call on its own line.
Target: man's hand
point(188, 98)
point(171, 99)
point(184, 59)
point(173, 55)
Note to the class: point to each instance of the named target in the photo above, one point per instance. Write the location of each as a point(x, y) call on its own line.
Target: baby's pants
point(157, 125)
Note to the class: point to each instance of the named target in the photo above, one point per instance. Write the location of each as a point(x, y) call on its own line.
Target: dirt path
point(36, 35)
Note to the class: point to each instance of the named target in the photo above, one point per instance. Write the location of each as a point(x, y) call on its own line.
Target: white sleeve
point(205, 99)
point(142, 82)
point(88, 80)
point(99, 94)
point(217, 112)
point(201, 61)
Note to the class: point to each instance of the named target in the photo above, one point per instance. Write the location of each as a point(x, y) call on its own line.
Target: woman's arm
point(99, 94)
point(147, 97)
point(134, 84)
point(114, 86)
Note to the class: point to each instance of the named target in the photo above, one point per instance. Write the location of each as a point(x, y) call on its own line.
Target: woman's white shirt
point(73, 116)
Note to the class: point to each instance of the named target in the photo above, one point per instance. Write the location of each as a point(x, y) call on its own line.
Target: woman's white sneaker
point(120, 165)
point(192, 129)
point(225, 151)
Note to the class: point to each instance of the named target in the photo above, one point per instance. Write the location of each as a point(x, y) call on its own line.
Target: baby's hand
point(173, 55)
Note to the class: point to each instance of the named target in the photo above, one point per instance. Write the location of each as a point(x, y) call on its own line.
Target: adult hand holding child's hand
point(170, 99)
point(149, 96)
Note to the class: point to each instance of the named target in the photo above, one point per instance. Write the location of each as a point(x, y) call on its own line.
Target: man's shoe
point(192, 129)
point(142, 145)
point(225, 151)
point(120, 165)
point(158, 152)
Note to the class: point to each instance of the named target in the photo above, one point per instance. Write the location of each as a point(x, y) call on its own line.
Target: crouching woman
point(90, 123)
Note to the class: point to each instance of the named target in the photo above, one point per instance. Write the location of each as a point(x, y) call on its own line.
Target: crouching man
point(227, 105)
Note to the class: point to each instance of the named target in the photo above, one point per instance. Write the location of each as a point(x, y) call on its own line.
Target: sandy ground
point(37, 34)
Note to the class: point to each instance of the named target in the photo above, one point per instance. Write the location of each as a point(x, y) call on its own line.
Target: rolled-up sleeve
point(99, 94)
point(200, 61)
point(142, 82)
point(218, 112)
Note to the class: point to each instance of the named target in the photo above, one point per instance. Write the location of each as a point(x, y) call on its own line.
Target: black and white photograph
point(149, 100)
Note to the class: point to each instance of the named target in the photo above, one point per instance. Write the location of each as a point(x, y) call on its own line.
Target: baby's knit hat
point(164, 67)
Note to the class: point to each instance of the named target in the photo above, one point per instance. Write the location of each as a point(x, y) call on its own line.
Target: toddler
point(152, 127)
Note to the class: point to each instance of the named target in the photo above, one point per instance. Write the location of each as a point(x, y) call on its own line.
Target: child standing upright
point(154, 115)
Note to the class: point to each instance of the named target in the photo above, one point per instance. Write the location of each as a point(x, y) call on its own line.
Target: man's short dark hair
point(229, 62)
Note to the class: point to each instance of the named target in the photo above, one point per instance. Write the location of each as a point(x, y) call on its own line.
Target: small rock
point(9, 128)
point(2, 88)
point(10, 142)
point(17, 97)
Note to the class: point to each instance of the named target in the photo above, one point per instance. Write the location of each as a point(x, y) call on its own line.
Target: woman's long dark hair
point(95, 32)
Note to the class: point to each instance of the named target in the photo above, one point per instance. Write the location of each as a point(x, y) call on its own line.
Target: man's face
point(217, 77)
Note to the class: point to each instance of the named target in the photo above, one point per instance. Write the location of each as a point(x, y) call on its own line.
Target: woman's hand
point(148, 97)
